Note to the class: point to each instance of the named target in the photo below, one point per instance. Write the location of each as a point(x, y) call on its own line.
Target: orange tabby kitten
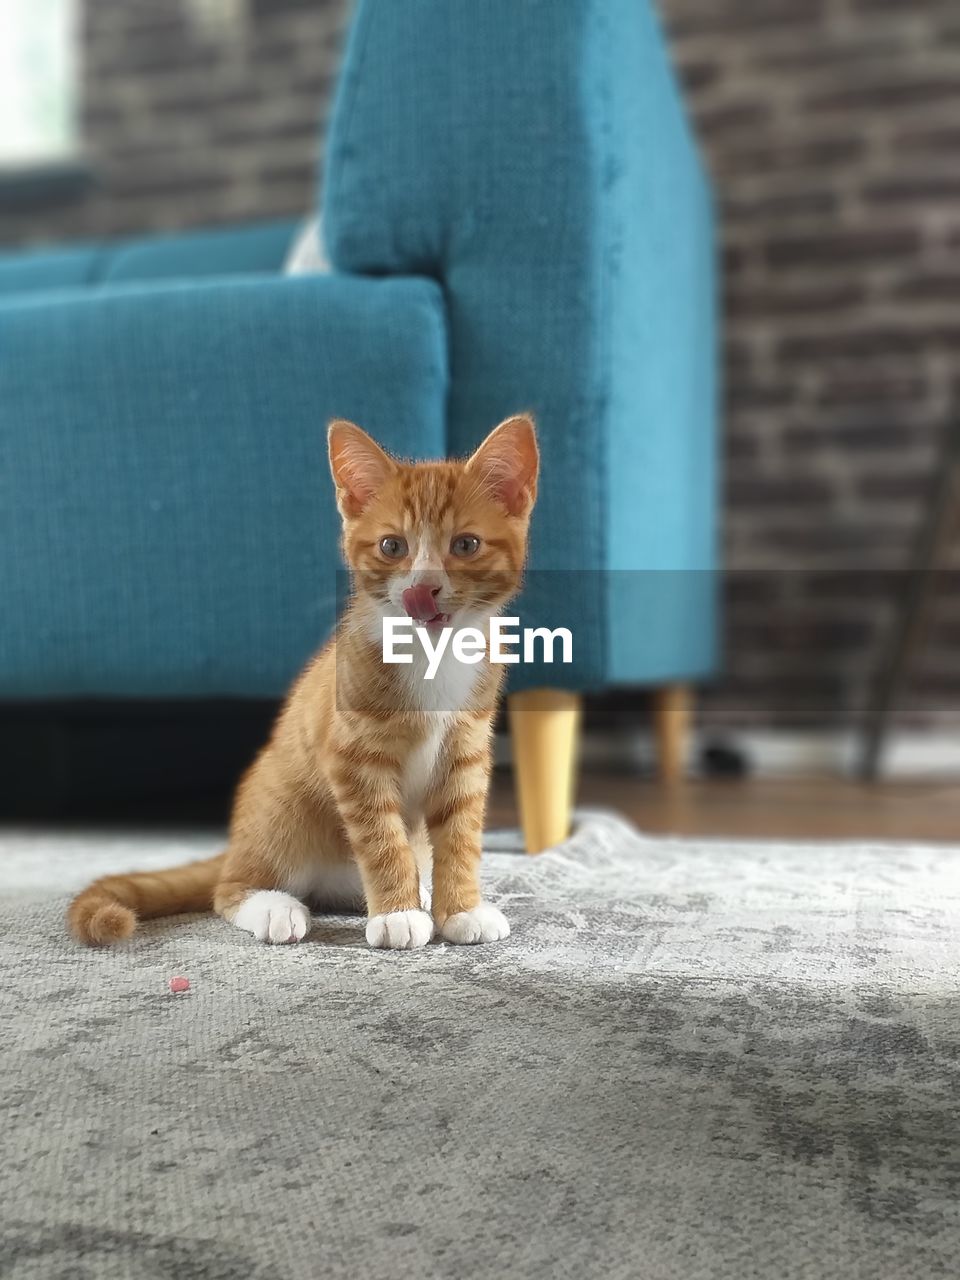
point(372, 773)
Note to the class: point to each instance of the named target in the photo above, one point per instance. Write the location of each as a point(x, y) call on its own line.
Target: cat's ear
point(508, 462)
point(359, 466)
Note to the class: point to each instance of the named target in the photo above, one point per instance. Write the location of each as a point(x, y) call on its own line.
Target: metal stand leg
point(914, 610)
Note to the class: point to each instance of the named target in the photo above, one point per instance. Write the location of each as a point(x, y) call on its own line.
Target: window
point(38, 82)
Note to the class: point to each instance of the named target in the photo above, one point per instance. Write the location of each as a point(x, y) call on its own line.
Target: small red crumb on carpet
point(179, 984)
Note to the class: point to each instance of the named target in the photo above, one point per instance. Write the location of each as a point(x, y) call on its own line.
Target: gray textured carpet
point(691, 1059)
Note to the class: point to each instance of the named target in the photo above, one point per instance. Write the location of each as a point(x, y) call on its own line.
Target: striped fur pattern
point(373, 777)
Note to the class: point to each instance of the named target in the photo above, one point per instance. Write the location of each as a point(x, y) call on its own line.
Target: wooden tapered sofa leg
point(544, 727)
point(672, 710)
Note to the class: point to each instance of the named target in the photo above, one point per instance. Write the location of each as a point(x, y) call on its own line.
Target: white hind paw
point(481, 924)
point(400, 930)
point(272, 916)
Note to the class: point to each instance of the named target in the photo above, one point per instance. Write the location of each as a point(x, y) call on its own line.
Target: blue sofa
point(517, 219)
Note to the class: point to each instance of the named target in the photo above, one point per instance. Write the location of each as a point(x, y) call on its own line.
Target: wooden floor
point(797, 808)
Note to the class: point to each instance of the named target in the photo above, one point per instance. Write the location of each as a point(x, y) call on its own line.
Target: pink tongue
point(420, 603)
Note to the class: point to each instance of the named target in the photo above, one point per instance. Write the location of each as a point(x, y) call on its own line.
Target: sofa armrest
point(167, 525)
point(535, 158)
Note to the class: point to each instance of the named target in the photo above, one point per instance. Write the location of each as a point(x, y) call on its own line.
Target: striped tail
point(108, 910)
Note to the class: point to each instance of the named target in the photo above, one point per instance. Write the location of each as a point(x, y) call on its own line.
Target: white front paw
point(272, 916)
point(481, 924)
point(400, 930)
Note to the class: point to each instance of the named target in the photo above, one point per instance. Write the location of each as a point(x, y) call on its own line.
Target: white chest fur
point(441, 698)
point(451, 680)
point(421, 765)
point(447, 692)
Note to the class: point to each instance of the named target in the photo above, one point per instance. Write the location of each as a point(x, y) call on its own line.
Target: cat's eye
point(465, 545)
point(393, 548)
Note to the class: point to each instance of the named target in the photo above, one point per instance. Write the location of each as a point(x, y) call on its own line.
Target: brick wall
point(832, 129)
point(186, 122)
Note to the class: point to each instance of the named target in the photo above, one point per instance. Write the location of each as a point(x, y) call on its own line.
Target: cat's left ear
point(508, 462)
point(359, 466)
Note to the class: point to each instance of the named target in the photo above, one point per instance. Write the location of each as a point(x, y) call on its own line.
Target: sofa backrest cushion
point(217, 251)
point(43, 269)
point(214, 251)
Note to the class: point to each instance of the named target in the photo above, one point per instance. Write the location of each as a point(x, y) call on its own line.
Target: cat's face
point(443, 542)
